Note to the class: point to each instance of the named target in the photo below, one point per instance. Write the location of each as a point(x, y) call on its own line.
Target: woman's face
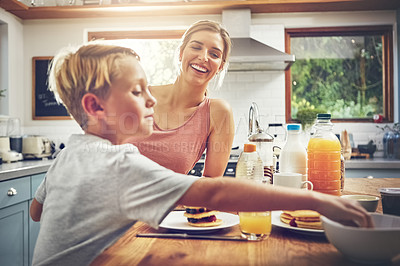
point(201, 59)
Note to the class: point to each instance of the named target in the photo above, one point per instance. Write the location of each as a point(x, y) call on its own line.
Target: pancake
point(201, 217)
point(207, 224)
point(302, 218)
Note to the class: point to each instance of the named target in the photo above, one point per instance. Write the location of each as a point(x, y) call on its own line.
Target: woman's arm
point(222, 131)
point(36, 210)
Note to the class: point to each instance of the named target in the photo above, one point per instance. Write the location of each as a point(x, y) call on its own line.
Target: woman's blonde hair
point(92, 68)
point(209, 26)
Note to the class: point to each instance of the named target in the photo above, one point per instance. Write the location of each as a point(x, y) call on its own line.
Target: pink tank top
point(179, 149)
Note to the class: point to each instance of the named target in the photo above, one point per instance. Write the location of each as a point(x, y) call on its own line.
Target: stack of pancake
point(201, 217)
point(302, 218)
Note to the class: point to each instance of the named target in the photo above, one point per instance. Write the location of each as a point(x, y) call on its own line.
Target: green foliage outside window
point(342, 75)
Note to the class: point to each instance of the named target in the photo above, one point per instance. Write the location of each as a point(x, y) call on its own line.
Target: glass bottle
point(250, 165)
point(323, 154)
point(388, 144)
point(293, 156)
point(396, 145)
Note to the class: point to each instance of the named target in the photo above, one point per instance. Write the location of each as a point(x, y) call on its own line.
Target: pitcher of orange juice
point(323, 154)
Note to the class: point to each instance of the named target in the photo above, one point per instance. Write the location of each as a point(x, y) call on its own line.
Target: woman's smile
point(199, 68)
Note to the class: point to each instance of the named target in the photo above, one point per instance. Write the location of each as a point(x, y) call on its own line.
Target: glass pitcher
point(263, 141)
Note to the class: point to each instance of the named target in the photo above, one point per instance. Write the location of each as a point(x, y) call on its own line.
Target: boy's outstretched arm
point(36, 210)
point(227, 194)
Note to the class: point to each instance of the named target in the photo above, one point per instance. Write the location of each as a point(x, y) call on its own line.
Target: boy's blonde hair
point(92, 68)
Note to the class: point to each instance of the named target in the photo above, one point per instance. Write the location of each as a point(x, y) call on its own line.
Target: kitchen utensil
point(189, 236)
point(370, 148)
point(263, 141)
point(294, 180)
point(36, 146)
point(388, 144)
point(6, 154)
point(4, 143)
point(11, 156)
point(390, 200)
point(278, 131)
point(370, 203)
point(16, 143)
point(3, 125)
point(366, 245)
point(13, 127)
point(14, 133)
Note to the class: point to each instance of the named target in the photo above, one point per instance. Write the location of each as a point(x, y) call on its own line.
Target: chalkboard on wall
point(44, 104)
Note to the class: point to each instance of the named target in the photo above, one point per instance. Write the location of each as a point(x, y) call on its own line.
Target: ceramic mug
point(294, 180)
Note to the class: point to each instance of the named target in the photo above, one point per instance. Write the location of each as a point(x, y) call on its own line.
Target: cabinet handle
point(12, 192)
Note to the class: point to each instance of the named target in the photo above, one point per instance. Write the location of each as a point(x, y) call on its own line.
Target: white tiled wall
point(264, 88)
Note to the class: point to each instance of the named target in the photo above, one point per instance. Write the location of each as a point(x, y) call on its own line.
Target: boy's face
point(129, 106)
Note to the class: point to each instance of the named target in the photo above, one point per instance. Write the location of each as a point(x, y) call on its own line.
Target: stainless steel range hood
point(247, 53)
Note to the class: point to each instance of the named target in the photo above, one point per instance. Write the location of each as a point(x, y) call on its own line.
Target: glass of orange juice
point(255, 225)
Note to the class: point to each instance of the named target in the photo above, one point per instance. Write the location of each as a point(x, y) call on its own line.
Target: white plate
point(275, 219)
point(176, 221)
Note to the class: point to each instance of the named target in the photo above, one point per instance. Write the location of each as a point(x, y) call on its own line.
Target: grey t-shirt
point(94, 192)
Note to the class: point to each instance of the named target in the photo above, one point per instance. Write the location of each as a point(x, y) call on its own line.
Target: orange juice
point(324, 165)
point(255, 225)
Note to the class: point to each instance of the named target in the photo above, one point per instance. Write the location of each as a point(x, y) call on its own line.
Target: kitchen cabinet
point(18, 233)
point(14, 235)
point(34, 227)
point(174, 8)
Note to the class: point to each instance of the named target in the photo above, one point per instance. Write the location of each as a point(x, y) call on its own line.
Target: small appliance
point(7, 127)
point(36, 147)
point(6, 154)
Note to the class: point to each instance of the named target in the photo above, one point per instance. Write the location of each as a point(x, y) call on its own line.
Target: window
point(346, 71)
point(157, 50)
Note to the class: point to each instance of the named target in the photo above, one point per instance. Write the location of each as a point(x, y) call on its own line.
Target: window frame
point(387, 58)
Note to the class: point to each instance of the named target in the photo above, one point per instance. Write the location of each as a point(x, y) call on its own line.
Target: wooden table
point(283, 247)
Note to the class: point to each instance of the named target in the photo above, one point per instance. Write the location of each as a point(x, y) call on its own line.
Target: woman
point(186, 121)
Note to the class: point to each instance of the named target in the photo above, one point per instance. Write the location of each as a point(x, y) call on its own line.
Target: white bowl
point(366, 245)
point(370, 203)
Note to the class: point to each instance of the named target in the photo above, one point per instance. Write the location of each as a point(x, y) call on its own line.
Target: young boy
point(99, 185)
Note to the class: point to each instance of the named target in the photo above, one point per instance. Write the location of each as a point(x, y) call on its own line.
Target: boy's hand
point(344, 211)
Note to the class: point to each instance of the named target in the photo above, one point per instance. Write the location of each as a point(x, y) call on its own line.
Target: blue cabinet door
point(14, 235)
point(34, 226)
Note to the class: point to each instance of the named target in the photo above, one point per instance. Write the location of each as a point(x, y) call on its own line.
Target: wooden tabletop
point(283, 247)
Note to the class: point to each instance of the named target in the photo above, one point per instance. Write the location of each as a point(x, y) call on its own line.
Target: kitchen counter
point(374, 167)
point(23, 168)
point(373, 163)
point(283, 247)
